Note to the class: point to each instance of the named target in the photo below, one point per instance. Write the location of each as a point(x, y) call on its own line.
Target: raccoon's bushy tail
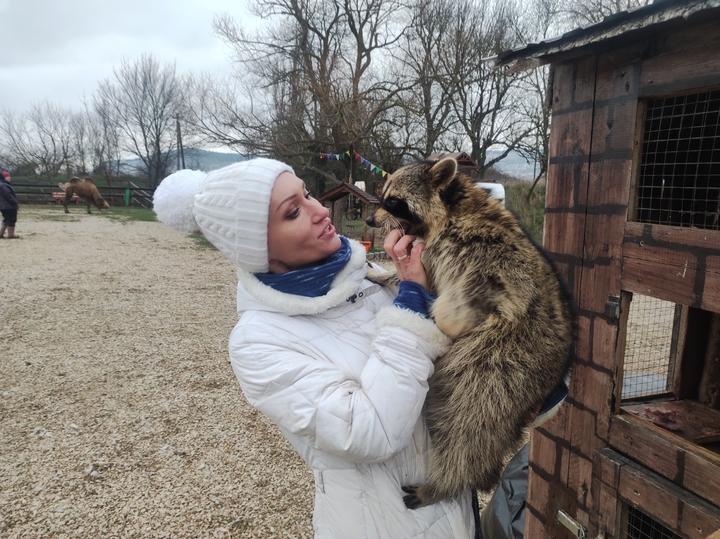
point(481, 392)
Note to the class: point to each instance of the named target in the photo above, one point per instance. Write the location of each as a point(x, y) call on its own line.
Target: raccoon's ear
point(443, 172)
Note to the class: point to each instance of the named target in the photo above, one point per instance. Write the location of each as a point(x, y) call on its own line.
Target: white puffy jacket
point(344, 376)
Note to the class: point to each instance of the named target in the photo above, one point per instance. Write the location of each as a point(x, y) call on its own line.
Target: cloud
point(59, 50)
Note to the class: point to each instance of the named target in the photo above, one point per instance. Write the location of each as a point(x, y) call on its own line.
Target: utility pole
point(180, 152)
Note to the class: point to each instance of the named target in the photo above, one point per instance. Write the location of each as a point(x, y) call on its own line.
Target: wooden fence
point(31, 193)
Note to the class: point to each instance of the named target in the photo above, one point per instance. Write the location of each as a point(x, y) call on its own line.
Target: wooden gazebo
point(632, 222)
point(368, 204)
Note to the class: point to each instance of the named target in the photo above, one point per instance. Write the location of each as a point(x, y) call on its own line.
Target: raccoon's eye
point(391, 202)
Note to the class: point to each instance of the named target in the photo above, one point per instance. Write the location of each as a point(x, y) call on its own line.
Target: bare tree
point(592, 11)
point(102, 144)
point(140, 104)
point(426, 104)
point(483, 98)
point(40, 139)
point(80, 144)
point(313, 81)
point(539, 21)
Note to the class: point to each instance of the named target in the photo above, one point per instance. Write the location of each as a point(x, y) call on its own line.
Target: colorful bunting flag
point(338, 156)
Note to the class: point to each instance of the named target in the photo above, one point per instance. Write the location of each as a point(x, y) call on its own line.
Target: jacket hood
point(252, 295)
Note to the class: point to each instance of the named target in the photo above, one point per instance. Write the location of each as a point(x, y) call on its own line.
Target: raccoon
point(502, 303)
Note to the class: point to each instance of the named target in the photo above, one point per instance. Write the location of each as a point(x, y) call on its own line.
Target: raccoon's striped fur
point(501, 301)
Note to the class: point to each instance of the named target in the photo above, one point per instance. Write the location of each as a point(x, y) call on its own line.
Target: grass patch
point(530, 211)
point(128, 213)
point(200, 240)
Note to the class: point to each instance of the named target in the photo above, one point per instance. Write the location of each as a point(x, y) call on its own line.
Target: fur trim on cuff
point(415, 323)
point(547, 416)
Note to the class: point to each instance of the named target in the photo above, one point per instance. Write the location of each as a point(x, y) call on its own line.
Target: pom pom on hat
point(174, 197)
point(229, 205)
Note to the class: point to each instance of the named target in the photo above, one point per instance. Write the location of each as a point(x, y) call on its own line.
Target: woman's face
point(300, 233)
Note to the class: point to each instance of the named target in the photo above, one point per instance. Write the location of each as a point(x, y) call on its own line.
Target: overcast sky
point(59, 50)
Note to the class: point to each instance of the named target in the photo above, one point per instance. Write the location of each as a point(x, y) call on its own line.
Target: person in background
point(8, 206)
point(338, 362)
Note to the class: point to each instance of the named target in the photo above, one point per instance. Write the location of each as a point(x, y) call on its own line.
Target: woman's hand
point(406, 257)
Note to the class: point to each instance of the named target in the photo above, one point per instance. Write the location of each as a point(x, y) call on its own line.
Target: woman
point(8, 206)
point(339, 363)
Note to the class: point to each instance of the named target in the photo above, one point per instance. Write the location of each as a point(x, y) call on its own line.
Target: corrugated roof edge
point(660, 11)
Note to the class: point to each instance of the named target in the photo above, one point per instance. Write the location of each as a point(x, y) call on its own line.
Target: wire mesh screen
point(647, 369)
point(642, 526)
point(679, 177)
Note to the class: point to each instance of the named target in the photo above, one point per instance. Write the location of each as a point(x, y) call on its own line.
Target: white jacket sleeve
point(365, 420)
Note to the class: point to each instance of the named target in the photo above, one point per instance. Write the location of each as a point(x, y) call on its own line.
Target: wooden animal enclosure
point(633, 222)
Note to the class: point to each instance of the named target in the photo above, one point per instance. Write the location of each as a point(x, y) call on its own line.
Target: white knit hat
point(229, 205)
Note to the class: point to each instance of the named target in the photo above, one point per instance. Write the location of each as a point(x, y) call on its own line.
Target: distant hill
point(514, 165)
point(207, 160)
point(195, 158)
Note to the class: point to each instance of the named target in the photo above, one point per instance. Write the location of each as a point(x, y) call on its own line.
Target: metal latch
point(571, 524)
point(612, 307)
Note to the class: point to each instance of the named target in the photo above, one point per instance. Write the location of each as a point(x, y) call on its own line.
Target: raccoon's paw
point(411, 498)
point(388, 278)
point(417, 496)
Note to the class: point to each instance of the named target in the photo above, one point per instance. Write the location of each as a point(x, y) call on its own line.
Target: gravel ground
point(120, 416)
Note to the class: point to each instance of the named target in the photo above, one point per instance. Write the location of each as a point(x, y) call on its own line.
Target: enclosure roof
point(462, 158)
point(346, 189)
point(613, 29)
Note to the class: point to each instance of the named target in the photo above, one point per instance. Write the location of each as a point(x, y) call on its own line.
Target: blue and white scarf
point(310, 282)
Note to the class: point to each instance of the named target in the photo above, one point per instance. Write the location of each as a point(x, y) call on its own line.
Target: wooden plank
point(538, 497)
point(640, 492)
point(597, 284)
point(680, 257)
point(674, 251)
point(610, 182)
point(593, 388)
point(607, 515)
point(563, 189)
point(683, 61)
point(686, 464)
point(564, 233)
point(709, 390)
point(562, 89)
point(543, 454)
point(673, 236)
point(678, 509)
point(696, 523)
point(604, 518)
point(579, 481)
point(583, 437)
point(584, 81)
point(711, 291)
point(696, 423)
point(666, 282)
point(603, 238)
point(667, 503)
point(570, 137)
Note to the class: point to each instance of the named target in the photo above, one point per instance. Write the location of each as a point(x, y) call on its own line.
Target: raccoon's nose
point(370, 220)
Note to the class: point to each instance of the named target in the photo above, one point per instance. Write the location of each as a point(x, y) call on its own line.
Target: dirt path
point(119, 413)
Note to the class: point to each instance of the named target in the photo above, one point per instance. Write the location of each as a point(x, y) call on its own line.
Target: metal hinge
point(577, 529)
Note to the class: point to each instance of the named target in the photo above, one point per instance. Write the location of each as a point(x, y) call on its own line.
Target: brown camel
point(86, 190)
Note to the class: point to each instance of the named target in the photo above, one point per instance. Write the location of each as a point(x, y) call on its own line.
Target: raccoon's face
point(413, 199)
